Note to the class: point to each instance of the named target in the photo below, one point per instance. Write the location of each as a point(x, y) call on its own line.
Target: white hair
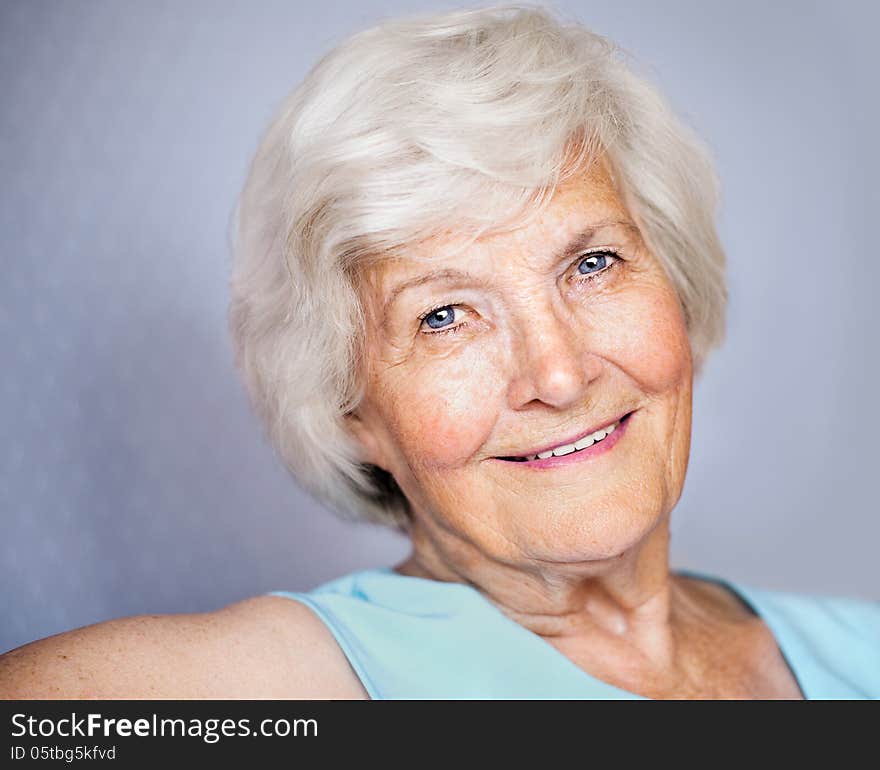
point(462, 122)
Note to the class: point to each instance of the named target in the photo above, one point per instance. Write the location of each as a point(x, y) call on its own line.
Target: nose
point(551, 360)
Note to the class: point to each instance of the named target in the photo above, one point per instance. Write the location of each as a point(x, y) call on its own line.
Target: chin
point(580, 535)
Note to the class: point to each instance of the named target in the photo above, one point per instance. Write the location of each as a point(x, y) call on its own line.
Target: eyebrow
point(578, 243)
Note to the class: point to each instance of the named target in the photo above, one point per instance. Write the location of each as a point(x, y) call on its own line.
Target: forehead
point(587, 199)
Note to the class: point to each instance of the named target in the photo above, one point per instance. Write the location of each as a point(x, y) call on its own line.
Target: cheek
point(451, 406)
point(650, 339)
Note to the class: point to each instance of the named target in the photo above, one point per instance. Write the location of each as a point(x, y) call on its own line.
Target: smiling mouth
point(577, 446)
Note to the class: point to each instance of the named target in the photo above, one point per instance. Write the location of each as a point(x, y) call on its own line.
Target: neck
point(627, 606)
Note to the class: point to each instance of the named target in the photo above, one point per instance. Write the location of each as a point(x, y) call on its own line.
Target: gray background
point(133, 477)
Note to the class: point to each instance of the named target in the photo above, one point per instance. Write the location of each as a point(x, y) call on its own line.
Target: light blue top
point(414, 638)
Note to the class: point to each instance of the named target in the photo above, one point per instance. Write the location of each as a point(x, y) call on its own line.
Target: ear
point(365, 437)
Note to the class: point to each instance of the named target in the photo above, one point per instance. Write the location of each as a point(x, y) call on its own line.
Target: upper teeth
point(583, 443)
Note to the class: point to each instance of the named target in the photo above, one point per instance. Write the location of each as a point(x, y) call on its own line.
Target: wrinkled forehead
point(588, 199)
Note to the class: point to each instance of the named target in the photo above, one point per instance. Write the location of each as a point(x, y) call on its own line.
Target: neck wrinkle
point(620, 606)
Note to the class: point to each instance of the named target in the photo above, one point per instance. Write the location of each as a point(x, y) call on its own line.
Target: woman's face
point(533, 338)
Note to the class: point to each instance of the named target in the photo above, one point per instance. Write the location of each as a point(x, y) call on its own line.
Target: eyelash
point(585, 277)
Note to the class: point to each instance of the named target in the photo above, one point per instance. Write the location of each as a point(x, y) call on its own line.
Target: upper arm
point(267, 647)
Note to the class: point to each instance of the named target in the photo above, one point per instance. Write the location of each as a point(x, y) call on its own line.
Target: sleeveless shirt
point(414, 638)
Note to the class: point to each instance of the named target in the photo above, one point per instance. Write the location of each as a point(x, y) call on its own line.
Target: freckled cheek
point(447, 410)
point(650, 340)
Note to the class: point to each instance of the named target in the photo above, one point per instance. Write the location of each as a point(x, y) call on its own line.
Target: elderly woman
point(476, 273)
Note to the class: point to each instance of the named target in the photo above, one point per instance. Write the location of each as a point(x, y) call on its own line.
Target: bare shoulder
point(265, 647)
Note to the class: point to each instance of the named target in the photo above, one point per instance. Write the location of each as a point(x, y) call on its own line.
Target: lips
point(571, 440)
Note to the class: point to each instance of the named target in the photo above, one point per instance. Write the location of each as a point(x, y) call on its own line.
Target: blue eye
point(440, 317)
point(596, 262)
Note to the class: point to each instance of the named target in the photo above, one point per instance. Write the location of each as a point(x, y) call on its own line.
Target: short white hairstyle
point(457, 122)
